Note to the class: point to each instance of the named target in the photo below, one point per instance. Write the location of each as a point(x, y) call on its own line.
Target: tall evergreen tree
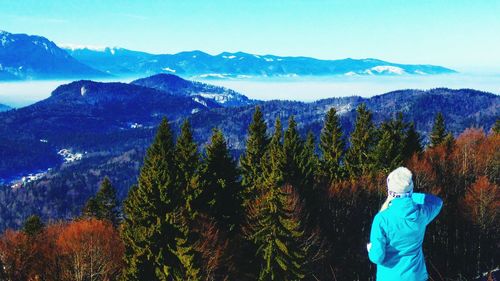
point(438, 133)
point(274, 226)
point(220, 195)
point(188, 163)
point(250, 161)
point(332, 148)
point(150, 229)
point(187, 158)
point(359, 159)
point(309, 162)
point(412, 143)
point(389, 152)
point(274, 160)
point(293, 146)
point(33, 225)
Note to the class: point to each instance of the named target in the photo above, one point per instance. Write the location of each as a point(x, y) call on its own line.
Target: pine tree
point(412, 142)
point(274, 223)
point(293, 146)
point(220, 191)
point(104, 205)
point(274, 160)
point(250, 161)
point(332, 148)
point(33, 225)
point(150, 229)
point(389, 152)
point(359, 159)
point(107, 202)
point(438, 133)
point(309, 162)
point(91, 208)
point(188, 164)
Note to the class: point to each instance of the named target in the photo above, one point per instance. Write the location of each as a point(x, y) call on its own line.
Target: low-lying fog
point(18, 94)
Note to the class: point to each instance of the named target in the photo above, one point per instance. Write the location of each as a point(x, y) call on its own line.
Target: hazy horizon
point(307, 89)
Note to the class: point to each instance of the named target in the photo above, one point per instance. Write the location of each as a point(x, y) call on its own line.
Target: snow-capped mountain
point(34, 57)
point(175, 85)
point(200, 65)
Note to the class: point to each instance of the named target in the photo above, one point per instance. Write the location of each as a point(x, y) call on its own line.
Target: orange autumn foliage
point(92, 249)
point(482, 202)
point(78, 250)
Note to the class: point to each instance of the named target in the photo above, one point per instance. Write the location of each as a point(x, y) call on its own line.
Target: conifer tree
point(359, 159)
point(91, 208)
point(188, 164)
point(389, 152)
point(107, 202)
point(293, 146)
point(438, 133)
point(220, 191)
point(150, 228)
point(104, 205)
point(274, 225)
point(412, 143)
point(33, 225)
point(250, 161)
point(273, 162)
point(309, 162)
point(332, 148)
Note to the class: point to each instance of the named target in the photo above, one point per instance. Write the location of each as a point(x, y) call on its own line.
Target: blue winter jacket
point(397, 234)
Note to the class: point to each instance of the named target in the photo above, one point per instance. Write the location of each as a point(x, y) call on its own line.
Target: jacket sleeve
point(378, 240)
point(431, 205)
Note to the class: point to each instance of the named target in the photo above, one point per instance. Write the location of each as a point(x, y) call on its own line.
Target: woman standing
point(398, 230)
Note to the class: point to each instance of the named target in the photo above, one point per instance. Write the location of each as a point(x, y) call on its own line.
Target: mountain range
point(200, 65)
point(64, 145)
point(30, 57)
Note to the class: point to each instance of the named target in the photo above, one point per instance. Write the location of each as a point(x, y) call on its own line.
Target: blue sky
point(461, 34)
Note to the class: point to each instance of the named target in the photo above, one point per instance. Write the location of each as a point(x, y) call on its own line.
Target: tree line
point(289, 209)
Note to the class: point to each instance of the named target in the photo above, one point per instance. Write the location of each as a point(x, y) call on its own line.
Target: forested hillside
point(106, 132)
point(290, 208)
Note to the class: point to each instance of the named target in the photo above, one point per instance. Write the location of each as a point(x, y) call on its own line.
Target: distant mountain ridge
point(177, 86)
point(29, 57)
point(200, 65)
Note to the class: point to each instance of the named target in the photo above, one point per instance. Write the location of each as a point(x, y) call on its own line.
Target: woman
point(398, 230)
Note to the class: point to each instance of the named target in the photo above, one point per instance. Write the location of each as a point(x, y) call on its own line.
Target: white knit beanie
point(400, 183)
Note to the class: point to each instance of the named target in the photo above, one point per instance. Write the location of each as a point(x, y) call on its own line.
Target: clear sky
point(460, 34)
